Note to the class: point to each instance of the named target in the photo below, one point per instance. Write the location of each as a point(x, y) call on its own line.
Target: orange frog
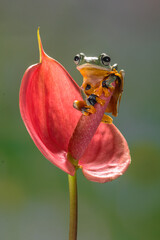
point(99, 78)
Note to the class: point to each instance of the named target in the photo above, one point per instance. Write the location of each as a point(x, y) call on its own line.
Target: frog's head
point(93, 66)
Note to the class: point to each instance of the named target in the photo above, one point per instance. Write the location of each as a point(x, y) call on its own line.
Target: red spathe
point(46, 100)
point(107, 156)
point(46, 104)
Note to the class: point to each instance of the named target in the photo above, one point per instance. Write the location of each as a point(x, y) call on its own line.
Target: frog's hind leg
point(107, 119)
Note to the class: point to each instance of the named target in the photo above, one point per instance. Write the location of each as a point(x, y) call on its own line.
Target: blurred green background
point(34, 201)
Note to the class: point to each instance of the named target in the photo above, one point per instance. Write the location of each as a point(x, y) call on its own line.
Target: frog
point(100, 78)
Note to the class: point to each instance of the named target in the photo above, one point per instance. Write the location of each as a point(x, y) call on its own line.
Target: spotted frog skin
point(99, 78)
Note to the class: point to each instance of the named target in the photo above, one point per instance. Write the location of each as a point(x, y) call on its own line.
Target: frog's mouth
point(89, 66)
point(93, 71)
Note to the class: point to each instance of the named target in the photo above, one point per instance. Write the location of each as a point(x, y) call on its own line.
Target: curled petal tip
point(41, 51)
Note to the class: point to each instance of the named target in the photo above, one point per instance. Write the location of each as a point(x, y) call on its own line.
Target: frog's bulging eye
point(77, 59)
point(105, 59)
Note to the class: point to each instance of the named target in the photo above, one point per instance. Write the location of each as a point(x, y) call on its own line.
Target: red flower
point(46, 104)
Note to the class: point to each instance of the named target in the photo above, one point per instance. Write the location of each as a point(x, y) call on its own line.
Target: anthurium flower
point(65, 137)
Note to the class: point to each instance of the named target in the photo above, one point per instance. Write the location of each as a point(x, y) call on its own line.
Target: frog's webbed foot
point(107, 119)
point(83, 107)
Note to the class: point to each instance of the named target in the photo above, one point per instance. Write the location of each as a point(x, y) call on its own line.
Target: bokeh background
point(34, 201)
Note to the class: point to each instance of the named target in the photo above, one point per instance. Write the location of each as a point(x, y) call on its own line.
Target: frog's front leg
point(93, 99)
point(107, 86)
point(81, 105)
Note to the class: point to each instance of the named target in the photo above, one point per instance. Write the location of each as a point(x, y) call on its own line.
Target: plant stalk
point(73, 207)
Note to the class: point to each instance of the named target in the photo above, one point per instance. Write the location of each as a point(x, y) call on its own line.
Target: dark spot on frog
point(104, 84)
point(88, 87)
point(92, 99)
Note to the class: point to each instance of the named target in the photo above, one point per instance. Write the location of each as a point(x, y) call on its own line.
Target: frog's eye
point(77, 59)
point(105, 59)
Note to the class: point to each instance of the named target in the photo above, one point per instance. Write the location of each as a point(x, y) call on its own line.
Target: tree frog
point(99, 77)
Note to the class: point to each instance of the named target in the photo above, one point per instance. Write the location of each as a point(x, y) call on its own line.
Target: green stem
point(73, 207)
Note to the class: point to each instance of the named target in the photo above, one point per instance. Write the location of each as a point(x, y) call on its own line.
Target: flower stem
point(73, 207)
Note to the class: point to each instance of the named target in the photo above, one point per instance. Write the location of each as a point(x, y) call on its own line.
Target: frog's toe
point(115, 66)
point(83, 107)
point(100, 101)
point(107, 119)
point(88, 110)
point(79, 104)
point(84, 111)
point(122, 73)
point(106, 92)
